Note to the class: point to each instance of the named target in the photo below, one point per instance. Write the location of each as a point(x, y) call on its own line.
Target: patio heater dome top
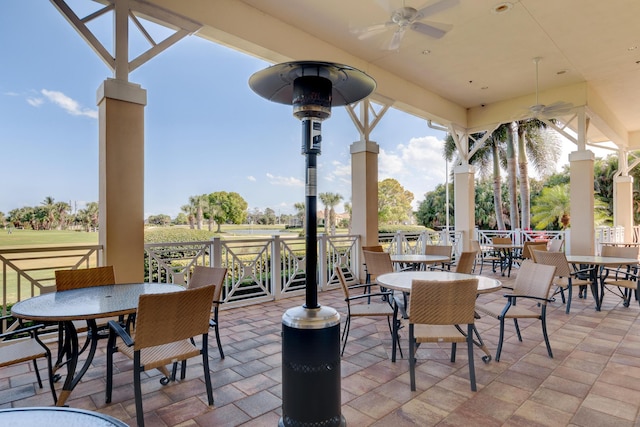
point(348, 84)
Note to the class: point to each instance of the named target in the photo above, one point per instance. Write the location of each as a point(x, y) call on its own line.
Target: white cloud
point(418, 166)
point(284, 181)
point(251, 178)
point(35, 102)
point(69, 105)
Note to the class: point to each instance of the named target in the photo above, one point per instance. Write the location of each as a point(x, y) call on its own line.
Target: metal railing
point(29, 271)
point(259, 269)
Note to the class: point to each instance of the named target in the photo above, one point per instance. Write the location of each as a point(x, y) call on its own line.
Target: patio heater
point(311, 333)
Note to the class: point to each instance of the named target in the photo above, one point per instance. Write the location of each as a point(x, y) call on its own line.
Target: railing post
point(215, 259)
point(323, 262)
point(276, 270)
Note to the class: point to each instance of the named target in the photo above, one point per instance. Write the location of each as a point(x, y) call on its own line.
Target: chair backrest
point(555, 245)
point(443, 250)
point(343, 282)
point(529, 246)
point(206, 276)
point(501, 240)
point(375, 248)
point(173, 316)
point(534, 279)
point(556, 259)
point(466, 262)
point(84, 278)
point(620, 251)
point(378, 262)
point(443, 302)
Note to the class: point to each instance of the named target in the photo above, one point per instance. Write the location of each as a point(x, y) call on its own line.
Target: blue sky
point(205, 130)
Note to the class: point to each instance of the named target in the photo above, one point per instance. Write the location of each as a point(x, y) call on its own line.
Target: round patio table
point(56, 417)
point(417, 259)
point(595, 262)
point(402, 281)
point(88, 304)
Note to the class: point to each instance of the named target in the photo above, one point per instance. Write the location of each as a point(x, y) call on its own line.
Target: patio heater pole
point(311, 333)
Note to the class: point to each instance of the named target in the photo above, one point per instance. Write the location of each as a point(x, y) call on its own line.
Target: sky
point(205, 129)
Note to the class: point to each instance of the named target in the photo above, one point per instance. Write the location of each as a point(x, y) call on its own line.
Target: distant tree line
point(52, 215)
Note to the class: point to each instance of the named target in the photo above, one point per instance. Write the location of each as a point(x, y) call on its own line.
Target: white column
point(121, 177)
point(623, 205)
point(465, 204)
point(364, 192)
point(582, 203)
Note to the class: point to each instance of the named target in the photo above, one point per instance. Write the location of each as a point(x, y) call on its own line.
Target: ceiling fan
point(542, 111)
point(406, 17)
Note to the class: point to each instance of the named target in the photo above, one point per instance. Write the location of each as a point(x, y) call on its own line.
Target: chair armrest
point(369, 295)
point(513, 297)
point(119, 330)
point(19, 331)
point(360, 285)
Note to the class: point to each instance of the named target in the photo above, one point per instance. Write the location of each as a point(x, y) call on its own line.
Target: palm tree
point(511, 175)
point(330, 200)
point(61, 211)
point(300, 209)
point(334, 199)
point(190, 211)
point(543, 148)
point(488, 155)
point(49, 215)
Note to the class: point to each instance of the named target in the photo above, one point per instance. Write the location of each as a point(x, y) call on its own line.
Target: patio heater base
point(311, 368)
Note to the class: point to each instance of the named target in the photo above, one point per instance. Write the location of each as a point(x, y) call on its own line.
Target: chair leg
point(543, 318)
point(51, 378)
point(499, 350)
point(215, 328)
point(412, 358)
point(454, 347)
point(35, 367)
point(205, 367)
point(137, 388)
point(515, 322)
point(110, 349)
point(569, 297)
point(472, 366)
point(345, 333)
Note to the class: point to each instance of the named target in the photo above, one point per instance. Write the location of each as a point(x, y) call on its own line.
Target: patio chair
point(374, 248)
point(623, 277)
point(84, 278)
point(165, 326)
point(555, 245)
point(530, 246)
point(475, 246)
point(376, 309)
point(441, 250)
point(533, 283)
point(464, 264)
point(206, 276)
point(23, 344)
point(565, 277)
point(437, 308)
point(377, 263)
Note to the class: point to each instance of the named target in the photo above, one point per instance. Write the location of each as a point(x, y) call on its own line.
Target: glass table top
point(88, 303)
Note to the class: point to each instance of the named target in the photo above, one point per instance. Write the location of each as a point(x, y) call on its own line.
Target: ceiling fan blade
point(396, 39)
point(372, 30)
point(436, 7)
point(431, 30)
point(388, 5)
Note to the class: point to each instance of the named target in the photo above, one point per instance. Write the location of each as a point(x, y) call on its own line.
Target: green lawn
point(45, 238)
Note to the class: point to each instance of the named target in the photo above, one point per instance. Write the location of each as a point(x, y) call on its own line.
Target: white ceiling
point(481, 72)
